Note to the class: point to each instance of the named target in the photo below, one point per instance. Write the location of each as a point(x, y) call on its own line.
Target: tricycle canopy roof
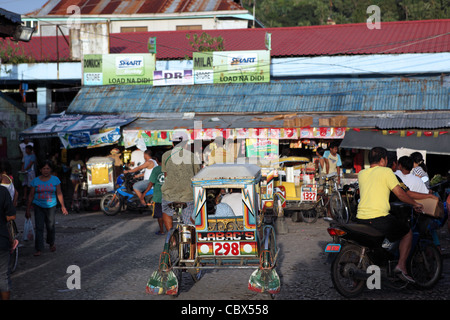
point(227, 175)
point(100, 160)
point(292, 159)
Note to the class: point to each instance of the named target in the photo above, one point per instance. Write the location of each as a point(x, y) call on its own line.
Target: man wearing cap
point(179, 166)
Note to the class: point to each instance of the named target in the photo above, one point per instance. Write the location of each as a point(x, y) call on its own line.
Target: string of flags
point(409, 133)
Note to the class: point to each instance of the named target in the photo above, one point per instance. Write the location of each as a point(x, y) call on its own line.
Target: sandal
point(159, 233)
point(52, 248)
point(37, 253)
point(403, 275)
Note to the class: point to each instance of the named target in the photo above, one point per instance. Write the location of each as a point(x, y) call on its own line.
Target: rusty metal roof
point(304, 95)
point(129, 7)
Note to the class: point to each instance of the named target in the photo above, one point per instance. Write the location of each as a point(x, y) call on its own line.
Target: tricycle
point(296, 187)
point(100, 176)
point(243, 238)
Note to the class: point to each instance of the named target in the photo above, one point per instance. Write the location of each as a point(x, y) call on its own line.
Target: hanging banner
point(232, 67)
point(114, 69)
point(88, 139)
point(262, 148)
point(157, 138)
point(322, 133)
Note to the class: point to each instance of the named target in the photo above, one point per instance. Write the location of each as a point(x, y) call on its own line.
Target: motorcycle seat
point(364, 234)
point(365, 229)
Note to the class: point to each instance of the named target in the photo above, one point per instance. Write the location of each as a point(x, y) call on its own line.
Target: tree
point(205, 42)
point(289, 13)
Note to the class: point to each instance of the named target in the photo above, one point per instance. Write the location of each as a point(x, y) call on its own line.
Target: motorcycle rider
point(140, 186)
point(375, 185)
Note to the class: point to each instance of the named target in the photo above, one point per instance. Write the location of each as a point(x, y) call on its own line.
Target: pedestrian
point(118, 163)
point(179, 166)
point(28, 167)
point(156, 181)
point(44, 193)
point(322, 165)
point(76, 166)
point(6, 180)
point(420, 168)
point(7, 213)
point(448, 210)
point(334, 160)
point(25, 142)
point(414, 183)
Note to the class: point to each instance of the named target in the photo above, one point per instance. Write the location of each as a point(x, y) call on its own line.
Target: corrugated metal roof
point(308, 95)
point(393, 38)
point(346, 39)
point(11, 16)
point(129, 7)
point(428, 120)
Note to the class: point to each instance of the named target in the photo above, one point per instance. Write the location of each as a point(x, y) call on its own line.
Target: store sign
point(112, 69)
point(231, 67)
point(172, 77)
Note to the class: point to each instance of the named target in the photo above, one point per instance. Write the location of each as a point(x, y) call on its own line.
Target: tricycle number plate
point(226, 249)
point(309, 194)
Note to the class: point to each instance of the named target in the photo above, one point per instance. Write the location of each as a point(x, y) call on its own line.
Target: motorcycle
point(360, 251)
point(124, 198)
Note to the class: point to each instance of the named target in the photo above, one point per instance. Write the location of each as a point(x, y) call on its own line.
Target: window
point(194, 27)
point(32, 24)
point(133, 29)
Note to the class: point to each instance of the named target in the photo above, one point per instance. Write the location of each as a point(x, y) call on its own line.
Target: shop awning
point(75, 130)
point(435, 142)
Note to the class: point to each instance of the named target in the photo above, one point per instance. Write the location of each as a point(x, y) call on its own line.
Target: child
point(156, 180)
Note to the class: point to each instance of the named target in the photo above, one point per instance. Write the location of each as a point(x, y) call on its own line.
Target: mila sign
point(231, 67)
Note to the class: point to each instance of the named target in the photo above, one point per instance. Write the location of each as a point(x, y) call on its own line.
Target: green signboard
point(231, 67)
point(113, 69)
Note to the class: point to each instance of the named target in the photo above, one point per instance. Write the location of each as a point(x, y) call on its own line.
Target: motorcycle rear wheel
point(110, 204)
point(343, 268)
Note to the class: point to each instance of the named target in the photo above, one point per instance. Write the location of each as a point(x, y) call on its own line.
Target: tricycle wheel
point(110, 204)
point(296, 216)
point(174, 254)
point(309, 216)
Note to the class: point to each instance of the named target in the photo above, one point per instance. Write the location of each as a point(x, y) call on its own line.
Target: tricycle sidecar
point(239, 237)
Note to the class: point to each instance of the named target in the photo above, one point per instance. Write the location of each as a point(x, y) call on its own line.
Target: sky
point(21, 6)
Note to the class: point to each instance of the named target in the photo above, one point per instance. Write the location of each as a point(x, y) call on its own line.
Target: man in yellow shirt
point(375, 185)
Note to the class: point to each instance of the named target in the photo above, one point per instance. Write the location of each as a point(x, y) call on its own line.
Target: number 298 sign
point(309, 194)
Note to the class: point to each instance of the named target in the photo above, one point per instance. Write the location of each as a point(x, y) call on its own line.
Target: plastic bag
point(28, 230)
